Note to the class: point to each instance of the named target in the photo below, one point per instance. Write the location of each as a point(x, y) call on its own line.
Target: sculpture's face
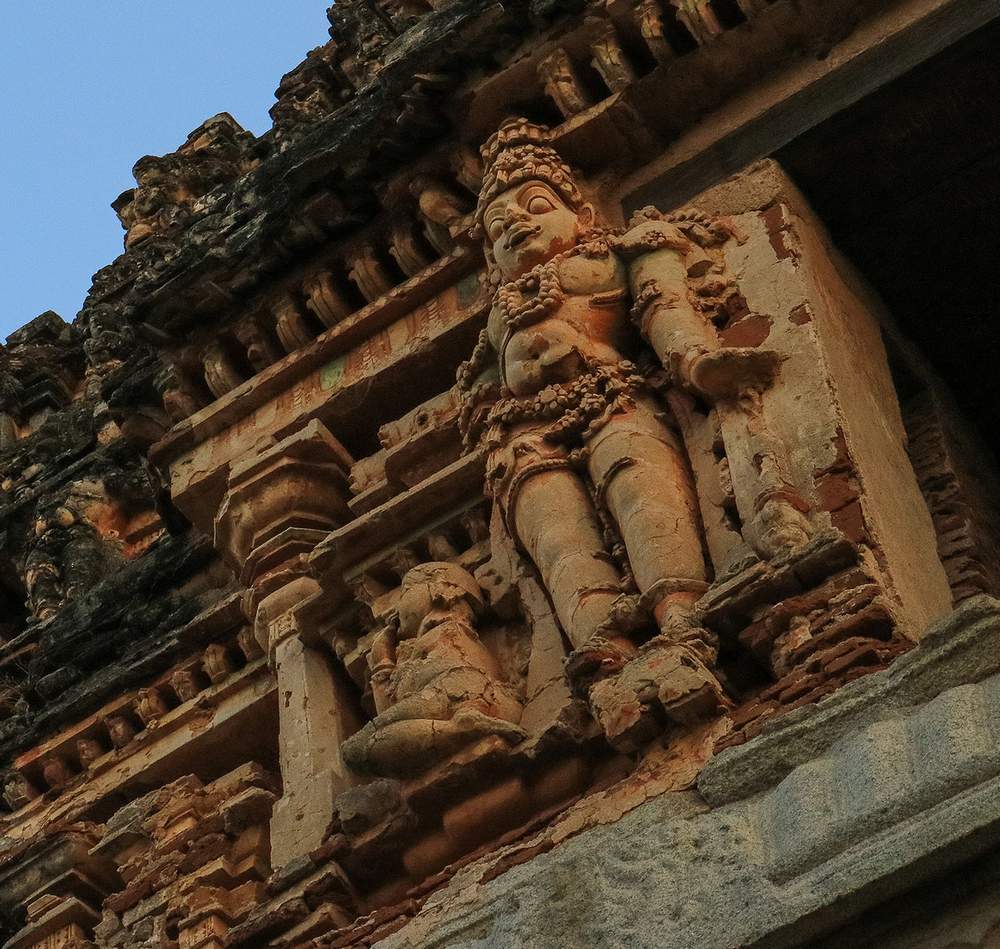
point(422, 607)
point(528, 225)
point(431, 597)
point(415, 605)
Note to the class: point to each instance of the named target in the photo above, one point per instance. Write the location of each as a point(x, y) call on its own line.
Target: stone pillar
point(277, 507)
point(315, 715)
point(56, 923)
point(208, 920)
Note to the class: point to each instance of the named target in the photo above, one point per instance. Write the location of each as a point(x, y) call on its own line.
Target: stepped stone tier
point(541, 493)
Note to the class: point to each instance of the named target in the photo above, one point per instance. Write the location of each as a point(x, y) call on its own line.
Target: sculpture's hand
point(732, 371)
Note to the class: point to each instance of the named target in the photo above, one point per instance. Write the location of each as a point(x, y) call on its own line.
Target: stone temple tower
point(539, 494)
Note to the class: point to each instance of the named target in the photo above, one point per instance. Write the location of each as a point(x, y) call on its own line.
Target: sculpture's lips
point(519, 233)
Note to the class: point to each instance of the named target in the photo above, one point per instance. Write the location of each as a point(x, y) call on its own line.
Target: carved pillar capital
point(280, 503)
point(277, 506)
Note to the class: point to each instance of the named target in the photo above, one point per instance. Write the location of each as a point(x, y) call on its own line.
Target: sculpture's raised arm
point(661, 260)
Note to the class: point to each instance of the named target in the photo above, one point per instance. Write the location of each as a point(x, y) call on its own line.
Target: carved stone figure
point(562, 84)
point(66, 555)
point(441, 210)
point(57, 772)
point(590, 479)
point(18, 791)
point(88, 750)
point(610, 59)
point(120, 730)
point(169, 187)
point(10, 397)
point(435, 685)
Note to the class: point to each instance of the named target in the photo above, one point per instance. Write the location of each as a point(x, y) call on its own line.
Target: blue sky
point(89, 87)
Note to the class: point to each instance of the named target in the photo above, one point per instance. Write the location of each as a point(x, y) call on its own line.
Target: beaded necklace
point(538, 293)
point(532, 296)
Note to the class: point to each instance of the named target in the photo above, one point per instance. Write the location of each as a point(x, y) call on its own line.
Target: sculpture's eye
point(494, 229)
point(538, 204)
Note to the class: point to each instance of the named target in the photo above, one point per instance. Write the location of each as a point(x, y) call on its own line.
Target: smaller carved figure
point(109, 341)
point(120, 730)
point(170, 187)
point(10, 399)
point(42, 575)
point(435, 685)
point(441, 209)
point(57, 772)
point(66, 555)
point(18, 791)
point(562, 84)
point(88, 751)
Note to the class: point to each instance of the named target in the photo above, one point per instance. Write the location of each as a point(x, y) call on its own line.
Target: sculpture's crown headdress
point(517, 152)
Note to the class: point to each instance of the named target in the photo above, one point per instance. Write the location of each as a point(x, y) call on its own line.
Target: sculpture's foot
point(743, 557)
point(679, 627)
point(780, 527)
point(629, 614)
point(596, 659)
point(671, 678)
point(690, 691)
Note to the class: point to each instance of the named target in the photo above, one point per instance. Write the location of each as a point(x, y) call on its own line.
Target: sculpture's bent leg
point(404, 748)
point(779, 521)
point(462, 705)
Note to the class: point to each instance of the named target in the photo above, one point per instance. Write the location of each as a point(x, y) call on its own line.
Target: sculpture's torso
point(449, 646)
point(560, 320)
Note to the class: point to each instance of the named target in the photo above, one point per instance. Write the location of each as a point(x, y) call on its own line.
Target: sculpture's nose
point(513, 214)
